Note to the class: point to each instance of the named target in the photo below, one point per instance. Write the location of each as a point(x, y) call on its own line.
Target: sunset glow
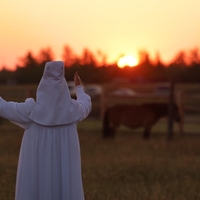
point(127, 61)
point(112, 27)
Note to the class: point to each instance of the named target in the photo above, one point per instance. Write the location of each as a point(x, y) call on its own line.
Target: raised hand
point(77, 79)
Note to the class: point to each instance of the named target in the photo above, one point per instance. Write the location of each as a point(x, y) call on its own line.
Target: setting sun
point(127, 61)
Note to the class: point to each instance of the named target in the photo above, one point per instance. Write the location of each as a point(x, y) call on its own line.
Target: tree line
point(94, 68)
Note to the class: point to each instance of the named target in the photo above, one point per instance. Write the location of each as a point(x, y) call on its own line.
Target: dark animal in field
point(135, 116)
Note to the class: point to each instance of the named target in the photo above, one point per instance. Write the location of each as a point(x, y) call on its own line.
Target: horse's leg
point(107, 131)
point(110, 132)
point(109, 128)
point(146, 133)
point(113, 131)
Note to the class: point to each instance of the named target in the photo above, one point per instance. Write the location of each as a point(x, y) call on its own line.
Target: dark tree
point(69, 57)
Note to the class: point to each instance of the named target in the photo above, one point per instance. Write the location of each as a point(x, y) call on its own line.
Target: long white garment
point(49, 166)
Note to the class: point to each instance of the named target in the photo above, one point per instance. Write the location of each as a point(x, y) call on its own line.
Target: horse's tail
point(107, 131)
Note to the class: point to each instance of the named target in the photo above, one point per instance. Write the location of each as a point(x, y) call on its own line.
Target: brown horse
point(136, 116)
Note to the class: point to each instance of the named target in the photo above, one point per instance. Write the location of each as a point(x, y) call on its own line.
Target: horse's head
point(162, 110)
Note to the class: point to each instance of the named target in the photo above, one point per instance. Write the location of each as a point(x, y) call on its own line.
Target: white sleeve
point(16, 112)
point(84, 101)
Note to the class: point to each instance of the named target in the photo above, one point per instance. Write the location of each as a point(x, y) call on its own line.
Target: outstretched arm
point(83, 99)
point(16, 112)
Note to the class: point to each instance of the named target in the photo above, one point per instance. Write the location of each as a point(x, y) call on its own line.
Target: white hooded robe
point(49, 166)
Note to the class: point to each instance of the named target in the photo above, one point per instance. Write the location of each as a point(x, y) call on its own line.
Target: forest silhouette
point(94, 68)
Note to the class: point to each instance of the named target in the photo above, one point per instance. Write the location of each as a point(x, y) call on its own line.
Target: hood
point(54, 105)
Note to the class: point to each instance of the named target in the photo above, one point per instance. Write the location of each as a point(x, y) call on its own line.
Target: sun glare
point(127, 61)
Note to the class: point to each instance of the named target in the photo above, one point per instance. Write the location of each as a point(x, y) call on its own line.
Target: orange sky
point(112, 26)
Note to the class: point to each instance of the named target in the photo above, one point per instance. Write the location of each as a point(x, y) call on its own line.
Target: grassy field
point(124, 168)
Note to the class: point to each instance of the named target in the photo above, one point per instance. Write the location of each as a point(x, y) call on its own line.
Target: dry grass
point(10, 140)
point(126, 168)
point(133, 169)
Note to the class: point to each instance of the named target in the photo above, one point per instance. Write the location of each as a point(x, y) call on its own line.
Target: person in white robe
point(49, 166)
